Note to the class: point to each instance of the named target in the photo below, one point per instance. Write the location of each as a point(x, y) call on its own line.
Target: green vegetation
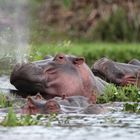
point(118, 28)
point(4, 101)
point(121, 52)
point(67, 3)
point(85, 20)
point(128, 94)
point(121, 94)
point(11, 119)
point(131, 107)
point(51, 118)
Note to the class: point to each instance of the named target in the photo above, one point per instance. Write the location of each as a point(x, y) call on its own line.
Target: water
point(111, 126)
point(5, 83)
point(14, 30)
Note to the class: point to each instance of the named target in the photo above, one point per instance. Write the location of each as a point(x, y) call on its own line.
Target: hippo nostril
point(61, 57)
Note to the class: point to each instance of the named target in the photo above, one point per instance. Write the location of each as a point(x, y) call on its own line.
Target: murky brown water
point(110, 126)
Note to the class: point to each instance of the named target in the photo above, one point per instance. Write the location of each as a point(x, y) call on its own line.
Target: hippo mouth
point(28, 86)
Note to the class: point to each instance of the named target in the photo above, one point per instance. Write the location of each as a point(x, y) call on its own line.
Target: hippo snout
point(14, 72)
point(26, 76)
point(25, 71)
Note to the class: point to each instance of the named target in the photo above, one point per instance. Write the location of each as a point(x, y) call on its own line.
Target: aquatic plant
point(11, 119)
point(122, 94)
point(131, 107)
point(50, 119)
point(5, 101)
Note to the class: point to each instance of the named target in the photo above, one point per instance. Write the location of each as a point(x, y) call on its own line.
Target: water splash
point(14, 31)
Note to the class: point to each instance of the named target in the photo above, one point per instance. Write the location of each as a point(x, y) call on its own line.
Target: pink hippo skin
point(62, 75)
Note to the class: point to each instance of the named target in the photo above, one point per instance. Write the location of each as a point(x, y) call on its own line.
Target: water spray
point(14, 30)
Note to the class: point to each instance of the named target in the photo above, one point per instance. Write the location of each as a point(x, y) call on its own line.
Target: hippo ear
point(30, 101)
point(79, 60)
point(38, 96)
point(93, 98)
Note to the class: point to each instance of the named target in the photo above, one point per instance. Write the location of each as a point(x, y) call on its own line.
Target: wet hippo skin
point(117, 73)
point(62, 75)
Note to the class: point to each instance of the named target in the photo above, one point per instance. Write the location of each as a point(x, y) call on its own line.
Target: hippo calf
point(73, 104)
point(117, 73)
point(62, 75)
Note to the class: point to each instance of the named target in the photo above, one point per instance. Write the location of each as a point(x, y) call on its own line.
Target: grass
point(122, 52)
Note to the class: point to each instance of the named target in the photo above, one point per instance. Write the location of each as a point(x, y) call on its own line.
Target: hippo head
point(38, 105)
point(62, 75)
point(99, 67)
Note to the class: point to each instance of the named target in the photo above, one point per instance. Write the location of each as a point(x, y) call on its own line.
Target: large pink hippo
point(62, 75)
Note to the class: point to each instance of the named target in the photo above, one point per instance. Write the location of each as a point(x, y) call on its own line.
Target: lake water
point(111, 126)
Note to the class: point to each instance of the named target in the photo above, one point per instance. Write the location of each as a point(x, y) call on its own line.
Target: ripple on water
point(119, 125)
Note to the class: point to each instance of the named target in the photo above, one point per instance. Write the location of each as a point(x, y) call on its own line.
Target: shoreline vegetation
point(92, 51)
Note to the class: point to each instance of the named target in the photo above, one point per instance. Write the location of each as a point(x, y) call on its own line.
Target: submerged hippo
point(73, 104)
point(118, 73)
point(62, 75)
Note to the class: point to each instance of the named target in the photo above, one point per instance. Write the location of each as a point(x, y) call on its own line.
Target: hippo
point(72, 104)
point(118, 73)
point(62, 75)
